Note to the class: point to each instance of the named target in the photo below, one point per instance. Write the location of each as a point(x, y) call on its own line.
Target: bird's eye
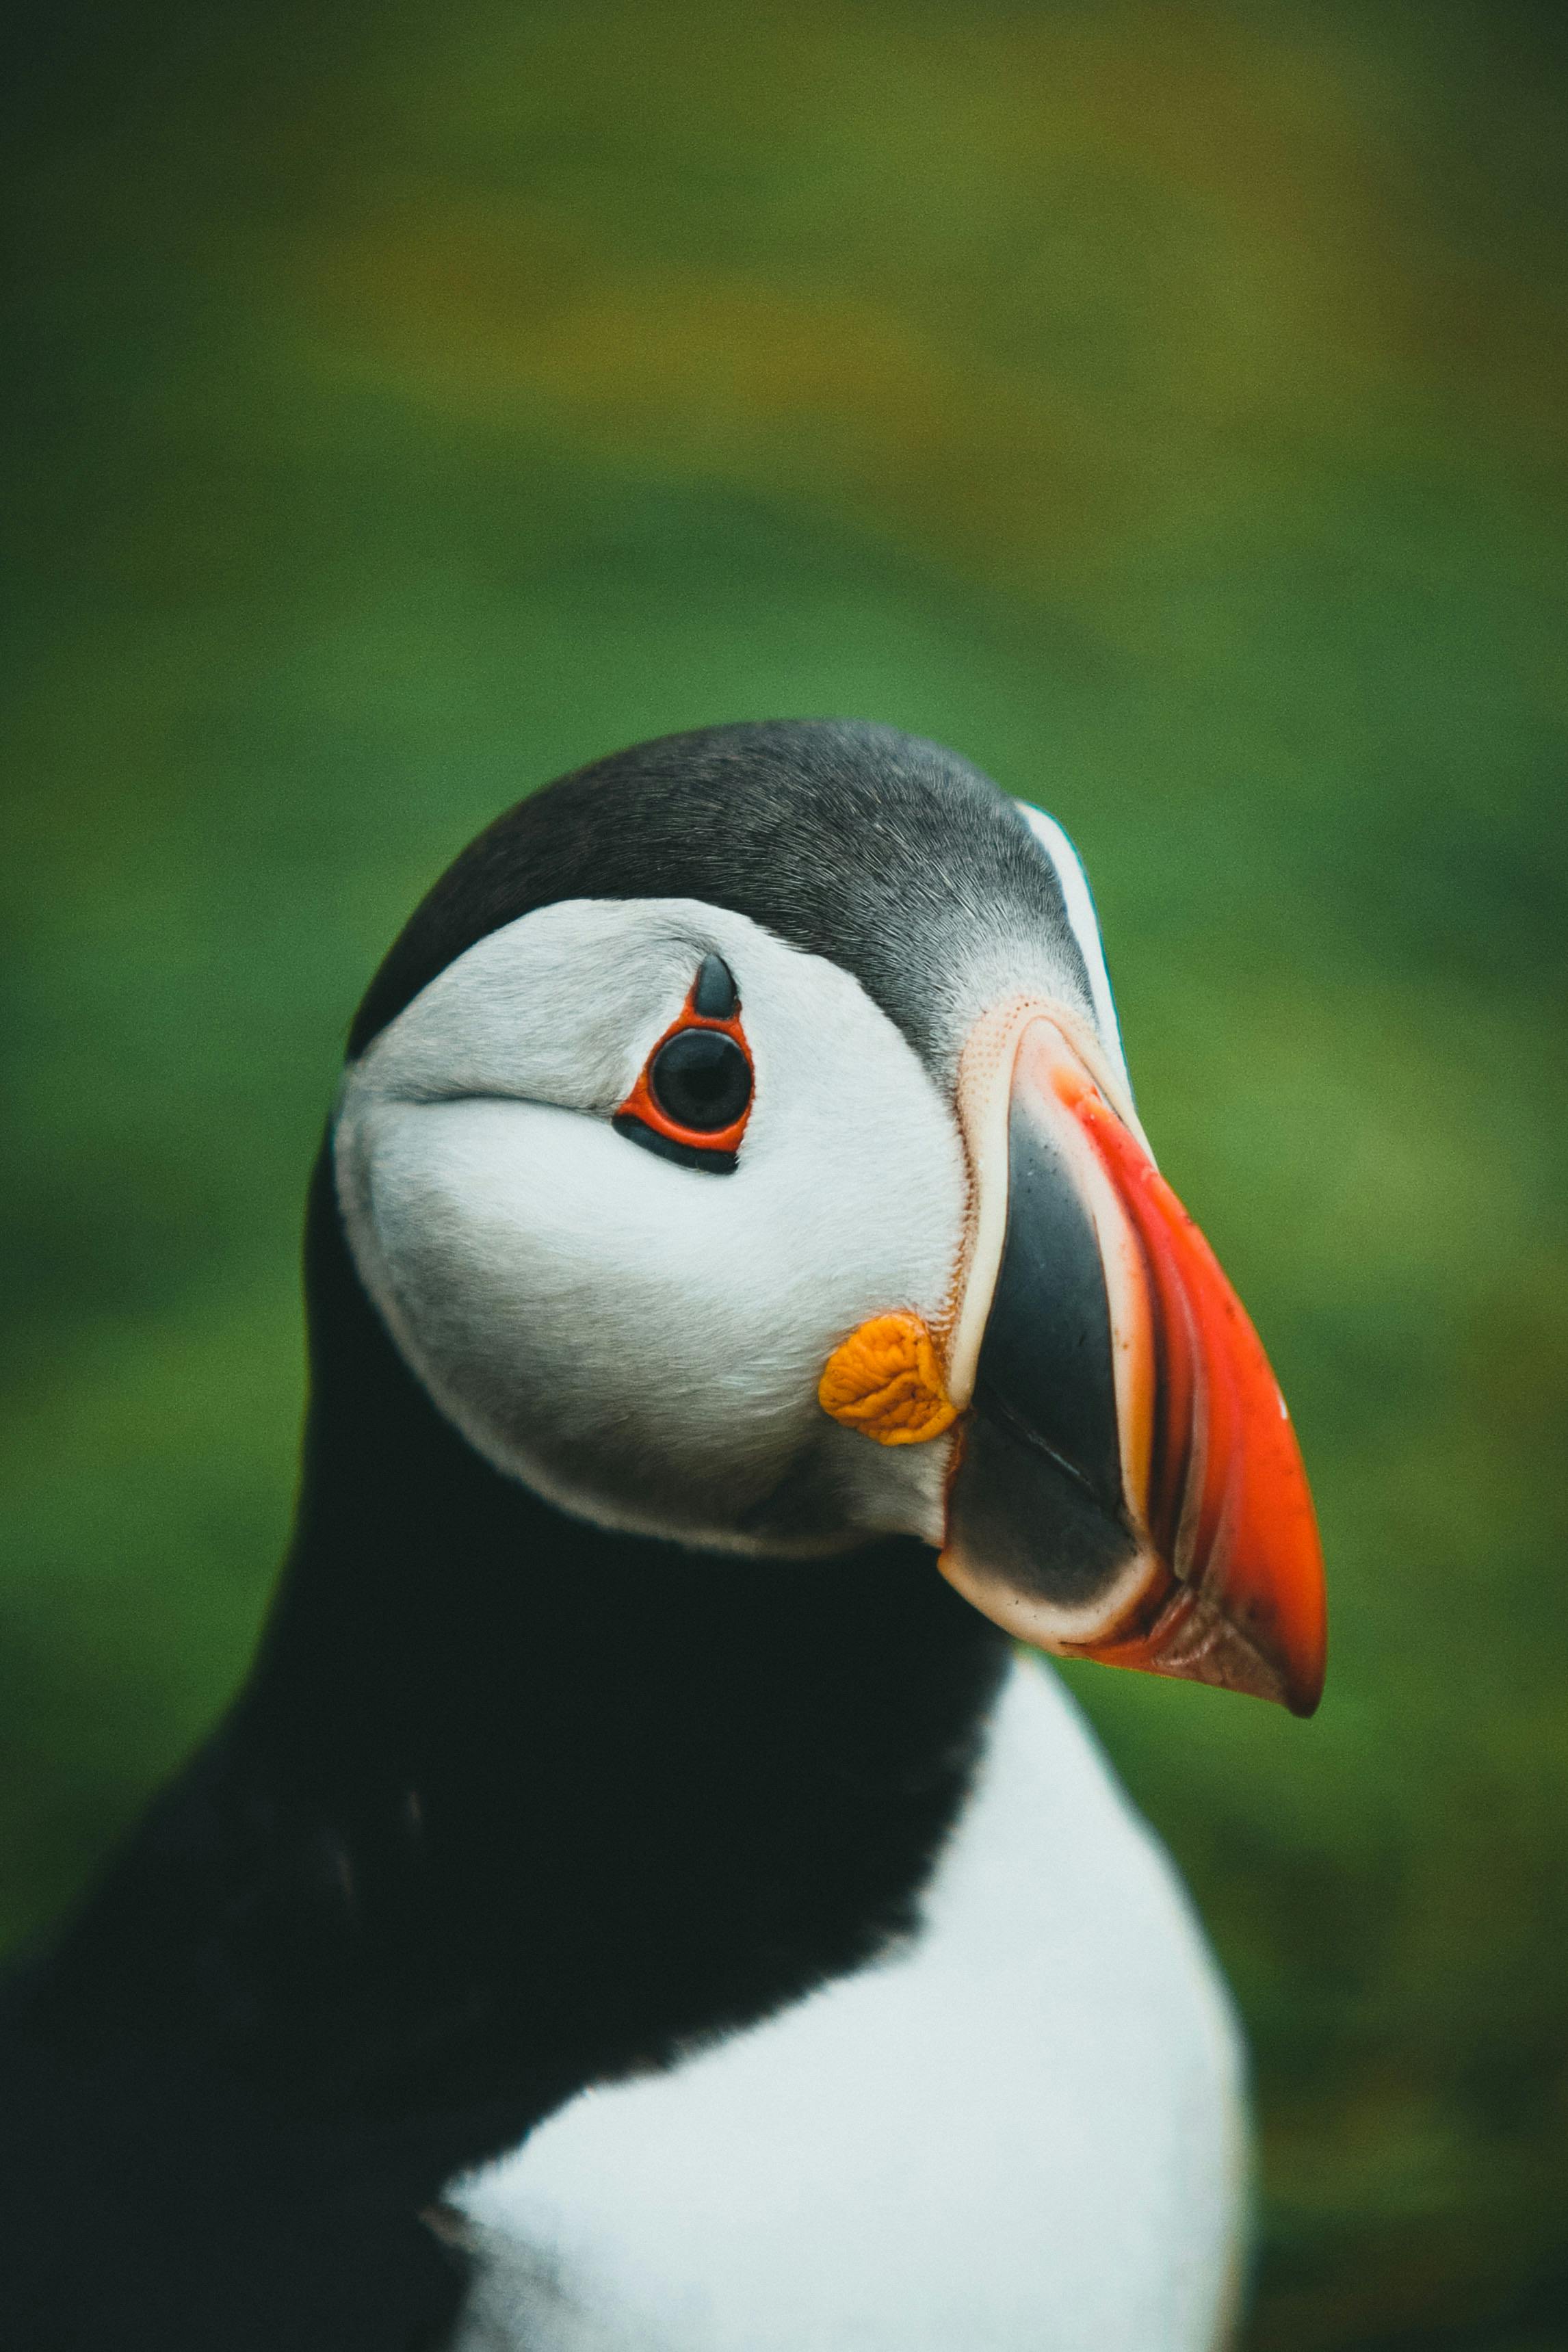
point(700, 1080)
point(694, 1096)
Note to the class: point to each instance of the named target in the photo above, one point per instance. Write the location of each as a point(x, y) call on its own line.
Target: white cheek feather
point(1023, 2134)
point(640, 1341)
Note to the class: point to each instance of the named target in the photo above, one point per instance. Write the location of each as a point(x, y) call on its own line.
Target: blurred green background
point(1164, 405)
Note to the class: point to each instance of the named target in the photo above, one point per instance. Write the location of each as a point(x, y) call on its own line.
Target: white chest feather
point(1023, 2133)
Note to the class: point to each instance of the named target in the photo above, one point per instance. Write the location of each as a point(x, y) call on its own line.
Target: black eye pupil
point(700, 1080)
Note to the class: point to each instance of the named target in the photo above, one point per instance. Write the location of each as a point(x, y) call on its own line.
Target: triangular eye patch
point(713, 996)
point(693, 1094)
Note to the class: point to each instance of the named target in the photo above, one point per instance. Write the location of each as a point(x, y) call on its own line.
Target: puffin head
point(737, 1147)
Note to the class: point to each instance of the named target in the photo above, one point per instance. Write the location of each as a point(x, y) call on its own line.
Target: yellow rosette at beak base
point(885, 1381)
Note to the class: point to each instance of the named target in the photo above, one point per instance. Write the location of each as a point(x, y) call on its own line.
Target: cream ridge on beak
point(1126, 1483)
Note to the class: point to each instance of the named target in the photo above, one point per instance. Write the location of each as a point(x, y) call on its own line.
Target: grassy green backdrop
point(1162, 404)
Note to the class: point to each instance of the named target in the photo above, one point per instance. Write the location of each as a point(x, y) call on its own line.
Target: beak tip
point(1304, 1686)
point(1299, 1671)
point(1202, 1639)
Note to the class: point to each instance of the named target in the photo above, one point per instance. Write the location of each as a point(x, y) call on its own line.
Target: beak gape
point(1129, 1487)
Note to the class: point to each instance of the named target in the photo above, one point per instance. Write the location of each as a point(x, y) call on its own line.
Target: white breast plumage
point(1024, 2129)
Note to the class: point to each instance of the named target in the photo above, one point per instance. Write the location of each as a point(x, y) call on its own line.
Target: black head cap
point(882, 851)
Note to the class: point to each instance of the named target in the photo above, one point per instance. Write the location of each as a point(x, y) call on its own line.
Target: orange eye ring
point(645, 1119)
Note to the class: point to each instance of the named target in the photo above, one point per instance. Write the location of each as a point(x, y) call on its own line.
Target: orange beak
point(1128, 1486)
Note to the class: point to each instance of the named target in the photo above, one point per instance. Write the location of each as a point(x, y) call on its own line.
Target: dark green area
point(1164, 405)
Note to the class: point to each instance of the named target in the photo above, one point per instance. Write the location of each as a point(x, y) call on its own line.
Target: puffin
point(651, 1893)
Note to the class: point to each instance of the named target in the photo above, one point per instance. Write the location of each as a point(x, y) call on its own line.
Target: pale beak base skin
point(1127, 1485)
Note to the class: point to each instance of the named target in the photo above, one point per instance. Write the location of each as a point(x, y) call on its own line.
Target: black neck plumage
point(509, 1804)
